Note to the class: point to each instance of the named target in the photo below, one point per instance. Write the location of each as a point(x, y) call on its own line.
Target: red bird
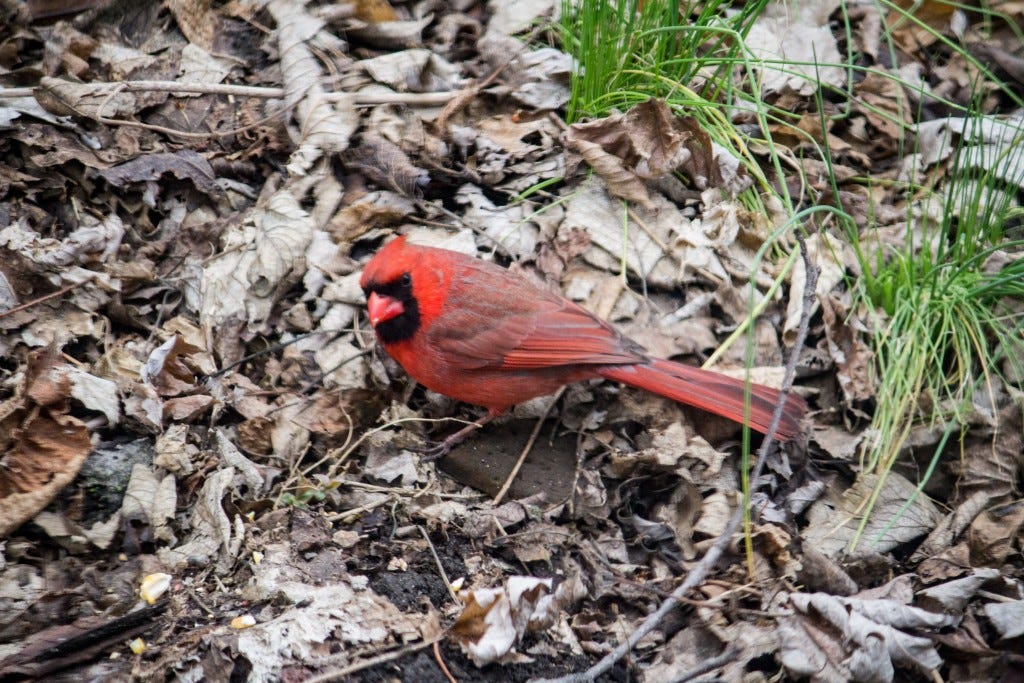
point(473, 331)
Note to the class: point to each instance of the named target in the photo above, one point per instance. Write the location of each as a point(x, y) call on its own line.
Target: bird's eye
point(406, 279)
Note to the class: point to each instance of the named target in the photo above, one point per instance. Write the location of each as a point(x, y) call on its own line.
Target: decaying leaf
point(343, 610)
point(42, 448)
point(257, 260)
point(416, 70)
point(64, 98)
point(986, 143)
point(650, 142)
point(325, 126)
point(493, 620)
point(149, 505)
point(95, 241)
point(796, 49)
point(848, 348)
point(164, 369)
point(184, 165)
point(833, 520)
point(832, 638)
point(215, 537)
point(391, 34)
point(384, 163)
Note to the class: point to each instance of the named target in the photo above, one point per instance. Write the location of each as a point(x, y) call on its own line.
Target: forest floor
point(208, 470)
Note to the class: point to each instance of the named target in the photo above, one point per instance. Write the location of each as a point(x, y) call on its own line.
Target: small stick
point(526, 450)
point(338, 674)
point(440, 569)
point(440, 663)
point(423, 99)
point(47, 297)
point(730, 653)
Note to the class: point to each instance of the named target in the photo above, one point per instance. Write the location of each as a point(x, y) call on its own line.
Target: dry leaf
point(494, 619)
point(41, 447)
point(833, 520)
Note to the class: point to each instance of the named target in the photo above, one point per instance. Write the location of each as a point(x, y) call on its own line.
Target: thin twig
point(440, 663)
point(431, 99)
point(51, 295)
point(440, 568)
point(95, 89)
point(710, 559)
point(352, 512)
point(462, 100)
point(338, 674)
point(730, 653)
point(526, 450)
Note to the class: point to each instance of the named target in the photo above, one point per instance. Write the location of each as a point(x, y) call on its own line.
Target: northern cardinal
point(473, 331)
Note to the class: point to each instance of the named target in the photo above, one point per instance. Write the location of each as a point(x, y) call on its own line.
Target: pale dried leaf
point(416, 70)
point(213, 535)
point(65, 98)
point(984, 143)
point(515, 17)
point(95, 393)
point(391, 35)
point(151, 502)
point(826, 253)
point(325, 126)
point(197, 21)
point(232, 457)
point(506, 226)
point(592, 210)
point(796, 48)
point(283, 232)
point(342, 611)
point(540, 79)
point(494, 619)
point(184, 164)
point(199, 66)
point(95, 241)
point(1006, 617)
point(833, 520)
point(174, 453)
point(952, 597)
point(832, 638)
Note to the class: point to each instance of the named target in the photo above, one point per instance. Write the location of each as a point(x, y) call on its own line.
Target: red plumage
point(473, 331)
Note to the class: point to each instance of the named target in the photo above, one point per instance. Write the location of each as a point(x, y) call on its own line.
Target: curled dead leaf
point(165, 369)
point(41, 447)
point(495, 619)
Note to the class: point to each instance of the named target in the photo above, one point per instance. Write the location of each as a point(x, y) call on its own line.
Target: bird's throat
point(400, 327)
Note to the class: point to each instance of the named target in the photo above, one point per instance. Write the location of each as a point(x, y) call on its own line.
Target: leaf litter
point(203, 455)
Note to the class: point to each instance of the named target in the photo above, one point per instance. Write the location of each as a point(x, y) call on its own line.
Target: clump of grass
point(685, 53)
point(632, 50)
point(948, 308)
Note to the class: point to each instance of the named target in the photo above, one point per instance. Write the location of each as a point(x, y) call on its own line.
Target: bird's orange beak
point(383, 308)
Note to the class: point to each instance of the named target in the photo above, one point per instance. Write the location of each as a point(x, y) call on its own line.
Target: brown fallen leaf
point(42, 448)
point(375, 11)
point(648, 143)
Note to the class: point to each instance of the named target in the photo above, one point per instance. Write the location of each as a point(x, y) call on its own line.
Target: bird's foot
point(433, 450)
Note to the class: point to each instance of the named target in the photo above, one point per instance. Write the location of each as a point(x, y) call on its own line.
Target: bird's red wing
point(503, 321)
point(567, 334)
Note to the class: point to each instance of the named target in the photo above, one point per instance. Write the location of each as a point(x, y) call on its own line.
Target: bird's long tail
point(713, 392)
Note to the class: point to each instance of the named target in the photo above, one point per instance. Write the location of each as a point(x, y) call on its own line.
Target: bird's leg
point(441, 449)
